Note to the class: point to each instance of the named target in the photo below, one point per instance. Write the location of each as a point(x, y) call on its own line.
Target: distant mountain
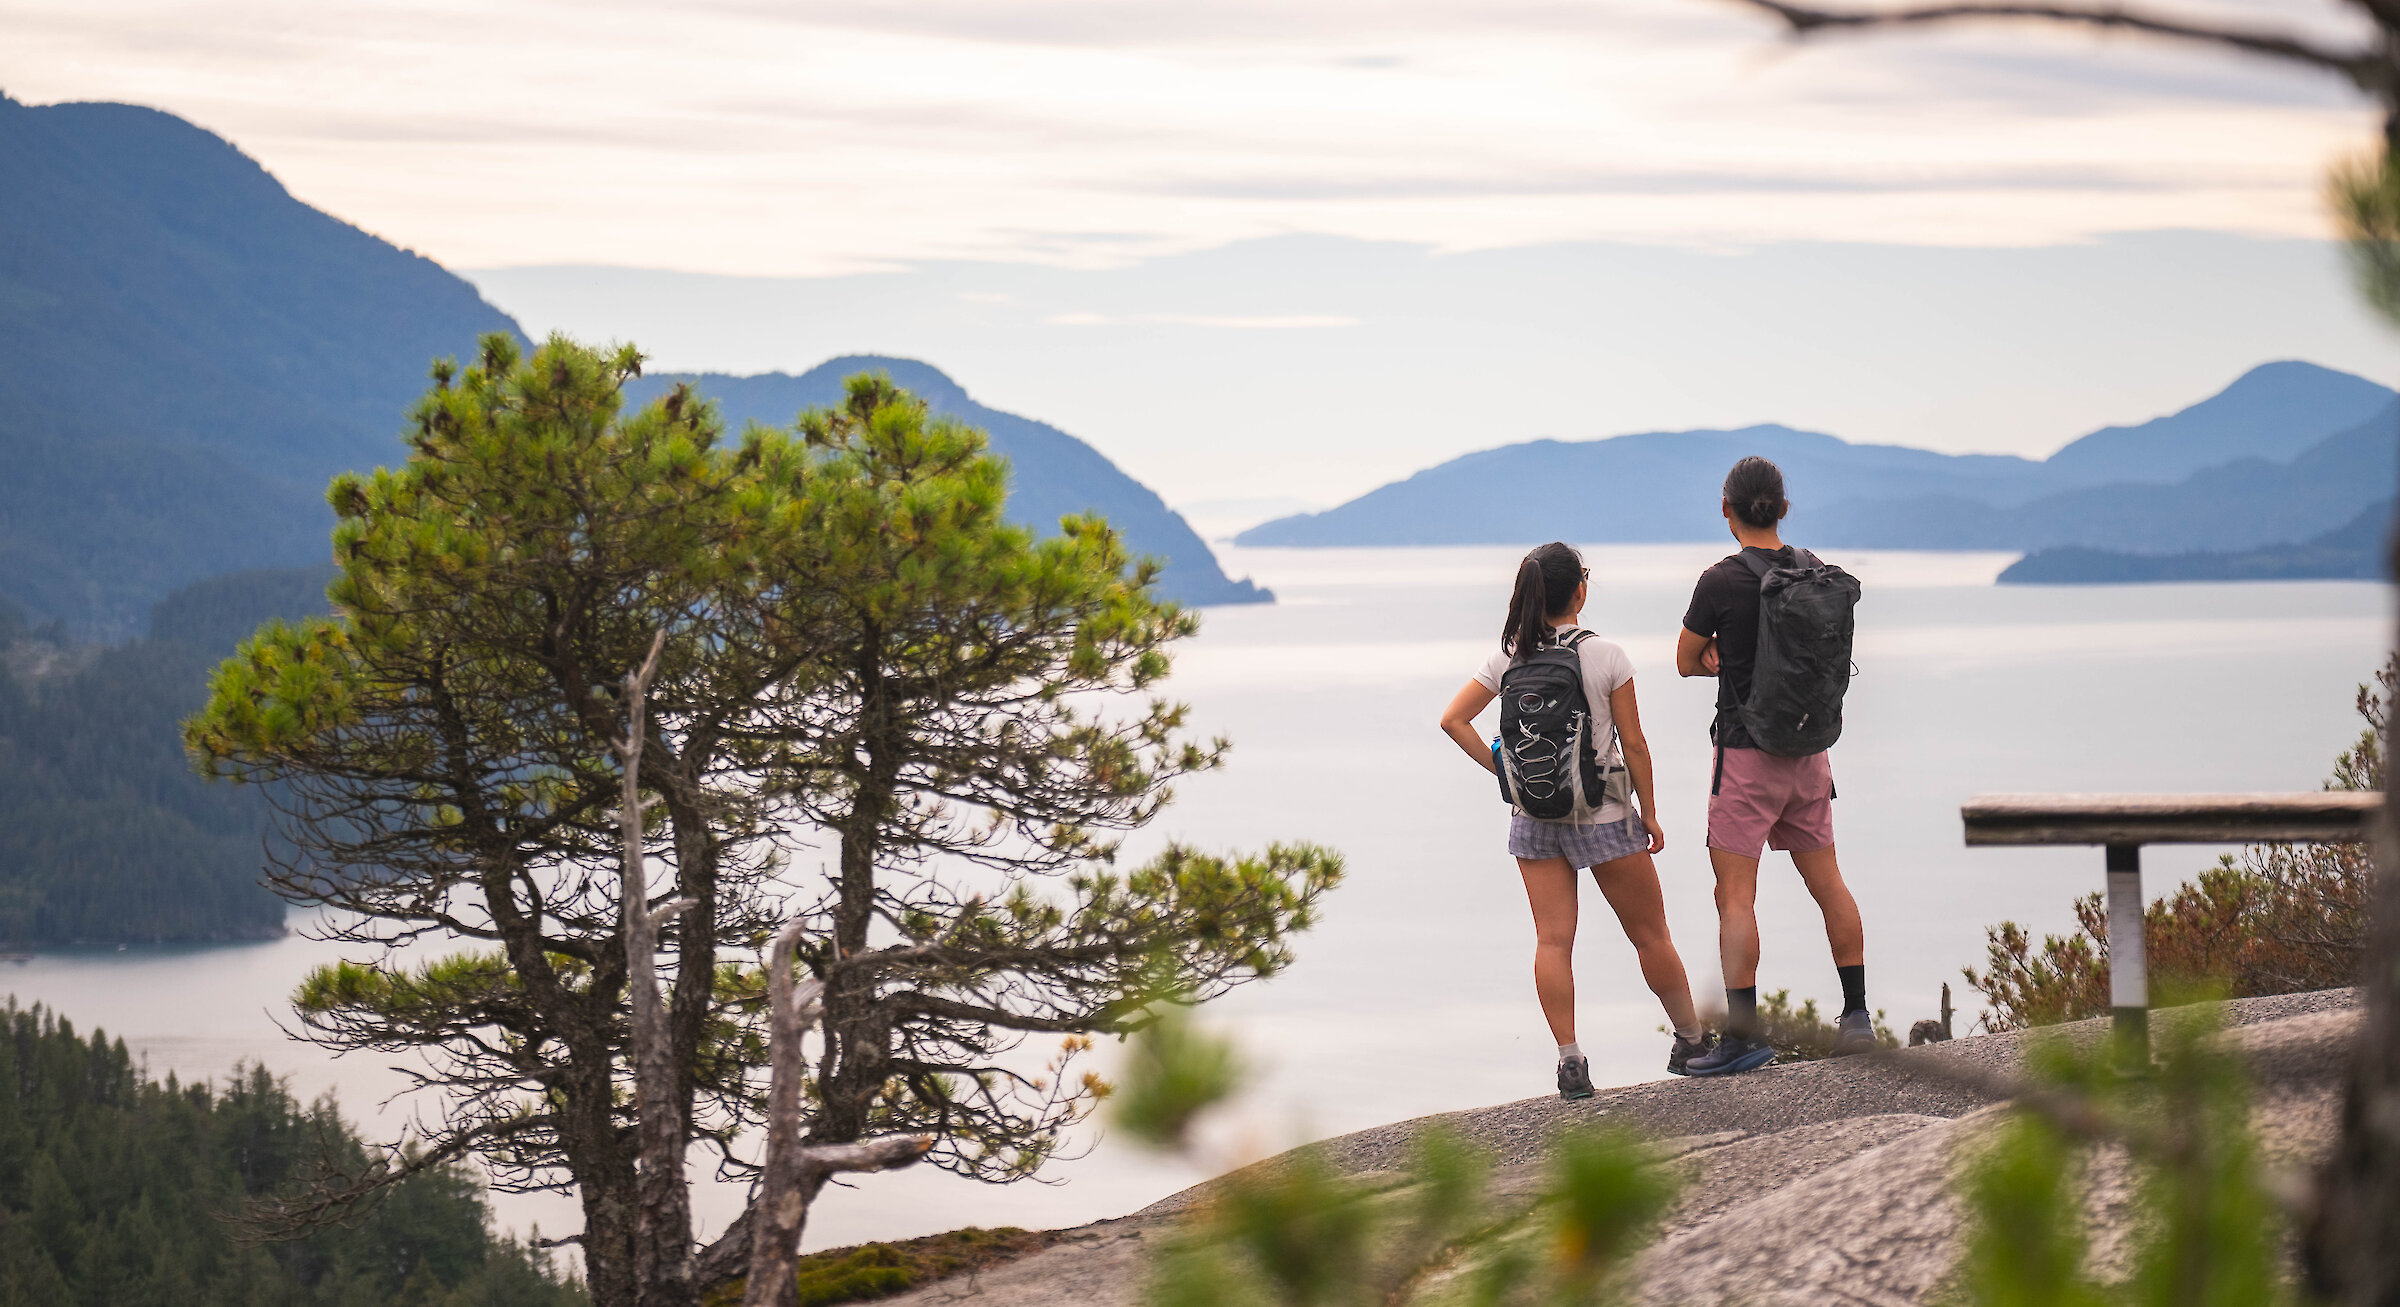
point(2233, 506)
point(2353, 551)
point(1054, 473)
point(187, 354)
point(2274, 411)
point(155, 282)
point(2281, 453)
point(1659, 485)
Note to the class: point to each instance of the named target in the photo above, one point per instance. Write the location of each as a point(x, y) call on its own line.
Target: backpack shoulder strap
point(1759, 567)
point(1573, 638)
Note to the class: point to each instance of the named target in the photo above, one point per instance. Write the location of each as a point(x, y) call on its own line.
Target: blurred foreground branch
point(2373, 69)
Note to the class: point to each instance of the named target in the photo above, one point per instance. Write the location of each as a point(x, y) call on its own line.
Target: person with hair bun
point(1759, 800)
point(1615, 839)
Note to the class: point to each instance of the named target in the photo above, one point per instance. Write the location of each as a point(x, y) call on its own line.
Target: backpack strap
point(1759, 567)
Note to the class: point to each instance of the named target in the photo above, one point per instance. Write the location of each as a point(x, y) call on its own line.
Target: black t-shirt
point(1725, 608)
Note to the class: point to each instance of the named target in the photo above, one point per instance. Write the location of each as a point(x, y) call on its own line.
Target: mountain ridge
point(1663, 485)
point(188, 352)
point(1078, 478)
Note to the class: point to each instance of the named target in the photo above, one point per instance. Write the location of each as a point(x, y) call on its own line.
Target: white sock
point(1691, 1036)
point(1566, 1051)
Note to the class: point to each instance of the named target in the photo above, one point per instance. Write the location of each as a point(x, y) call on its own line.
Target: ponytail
point(1546, 582)
point(1754, 491)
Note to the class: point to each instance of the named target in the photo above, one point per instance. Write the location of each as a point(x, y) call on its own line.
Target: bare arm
point(1458, 722)
point(1628, 715)
point(1695, 654)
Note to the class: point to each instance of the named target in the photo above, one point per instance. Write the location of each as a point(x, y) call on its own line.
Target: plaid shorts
point(1585, 845)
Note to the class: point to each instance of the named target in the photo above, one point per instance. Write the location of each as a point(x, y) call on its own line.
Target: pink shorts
point(1762, 800)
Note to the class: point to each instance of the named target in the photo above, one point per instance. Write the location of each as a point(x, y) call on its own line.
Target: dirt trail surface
point(1765, 1156)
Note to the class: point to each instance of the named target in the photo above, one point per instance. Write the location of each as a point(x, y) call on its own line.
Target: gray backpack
point(1805, 624)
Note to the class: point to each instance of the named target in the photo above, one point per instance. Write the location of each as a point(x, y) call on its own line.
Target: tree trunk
point(857, 1037)
point(604, 1178)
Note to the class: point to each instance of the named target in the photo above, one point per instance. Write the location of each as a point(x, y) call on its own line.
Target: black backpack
point(1549, 764)
point(1805, 622)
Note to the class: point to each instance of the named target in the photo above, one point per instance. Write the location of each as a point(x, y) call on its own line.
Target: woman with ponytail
point(1616, 840)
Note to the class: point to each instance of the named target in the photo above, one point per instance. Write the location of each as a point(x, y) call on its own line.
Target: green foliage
point(2207, 1232)
point(118, 1190)
point(2279, 919)
point(1174, 1072)
point(105, 834)
point(1800, 1033)
point(873, 1271)
point(2364, 194)
point(876, 1270)
point(1299, 1234)
point(1604, 1193)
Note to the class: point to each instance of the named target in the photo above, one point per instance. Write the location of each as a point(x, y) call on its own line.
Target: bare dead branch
point(780, 1210)
point(887, 1153)
point(663, 1217)
point(2368, 70)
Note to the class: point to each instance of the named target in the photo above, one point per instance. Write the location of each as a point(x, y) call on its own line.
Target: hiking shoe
point(1855, 1033)
point(1679, 1059)
point(1733, 1055)
point(1574, 1078)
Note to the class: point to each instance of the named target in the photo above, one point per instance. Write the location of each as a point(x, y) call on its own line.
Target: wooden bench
point(2123, 823)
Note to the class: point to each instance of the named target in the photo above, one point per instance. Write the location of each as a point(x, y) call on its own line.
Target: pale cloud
point(774, 137)
point(1226, 321)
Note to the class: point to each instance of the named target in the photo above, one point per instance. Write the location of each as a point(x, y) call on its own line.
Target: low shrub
point(2278, 919)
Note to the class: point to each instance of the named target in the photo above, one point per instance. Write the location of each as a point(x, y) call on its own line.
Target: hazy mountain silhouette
point(188, 353)
point(1054, 474)
point(2274, 411)
point(2285, 452)
point(2352, 551)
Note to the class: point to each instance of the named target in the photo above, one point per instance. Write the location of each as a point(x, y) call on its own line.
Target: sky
point(1292, 250)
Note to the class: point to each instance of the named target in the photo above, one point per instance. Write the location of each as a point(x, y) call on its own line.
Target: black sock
point(1741, 1012)
point(1854, 988)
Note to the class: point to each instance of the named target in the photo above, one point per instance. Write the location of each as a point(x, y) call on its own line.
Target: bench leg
point(2128, 961)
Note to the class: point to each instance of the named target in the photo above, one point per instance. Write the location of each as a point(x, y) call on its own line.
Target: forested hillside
point(106, 833)
point(116, 1190)
point(187, 353)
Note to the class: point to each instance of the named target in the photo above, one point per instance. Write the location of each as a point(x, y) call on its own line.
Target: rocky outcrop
point(1815, 1182)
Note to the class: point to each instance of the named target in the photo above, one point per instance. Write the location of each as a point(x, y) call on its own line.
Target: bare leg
point(1737, 917)
point(1630, 885)
point(1844, 931)
point(1550, 890)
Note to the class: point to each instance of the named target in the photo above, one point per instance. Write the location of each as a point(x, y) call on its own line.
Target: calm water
point(1414, 994)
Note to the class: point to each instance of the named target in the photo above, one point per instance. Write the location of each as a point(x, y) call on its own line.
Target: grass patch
point(879, 1270)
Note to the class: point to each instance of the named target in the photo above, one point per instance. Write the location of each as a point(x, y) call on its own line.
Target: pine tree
point(852, 646)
